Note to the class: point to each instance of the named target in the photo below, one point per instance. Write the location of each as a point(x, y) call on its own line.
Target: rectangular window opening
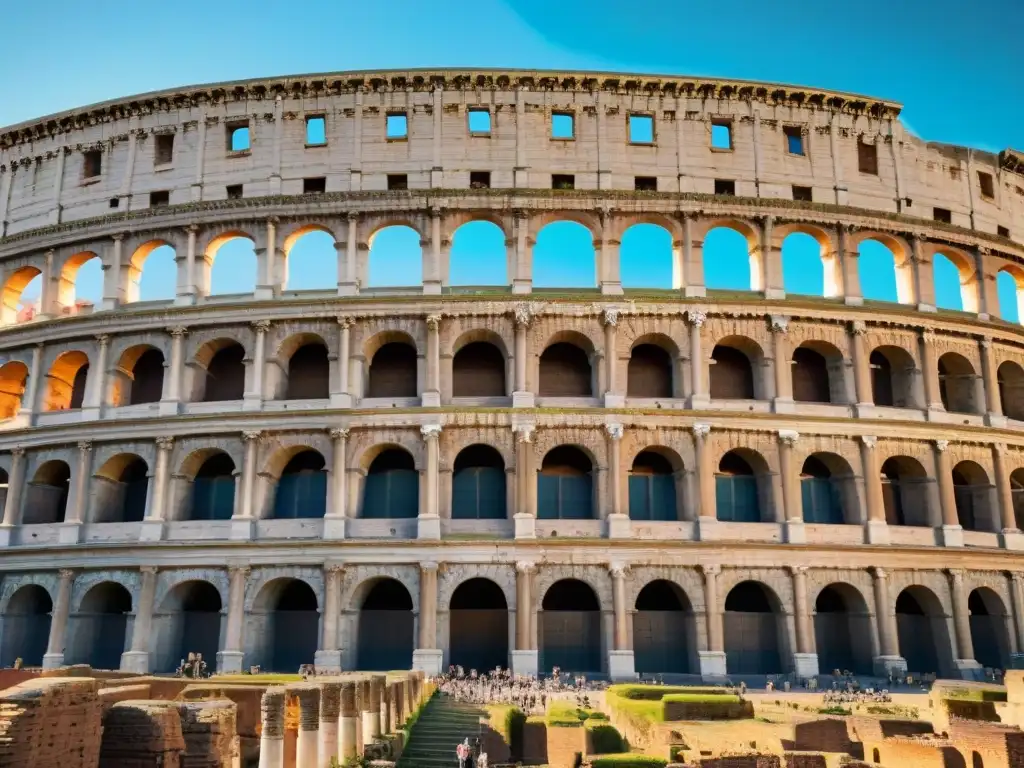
point(234, 191)
point(316, 186)
point(238, 137)
point(803, 193)
point(479, 179)
point(398, 181)
point(115, 202)
point(943, 215)
point(563, 125)
point(92, 164)
point(794, 139)
point(316, 131)
point(397, 126)
point(1003, 231)
point(563, 181)
point(641, 129)
point(479, 121)
point(867, 157)
point(725, 187)
point(645, 184)
point(164, 149)
point(721, 134)
point(161, 197)
point(988, 188)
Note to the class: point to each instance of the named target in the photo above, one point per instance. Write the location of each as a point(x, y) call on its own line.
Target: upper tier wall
point(44, 181)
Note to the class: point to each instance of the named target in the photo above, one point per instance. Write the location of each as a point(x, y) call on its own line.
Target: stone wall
point(50, 723)
point(142, 734)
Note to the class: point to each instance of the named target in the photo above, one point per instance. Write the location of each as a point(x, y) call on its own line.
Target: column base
point(621, 666)
point(699, 402)
point(522, 286)
point(53, 660)
point(610, 288)
point(430, 400)
point(925, 308)
point(854, 301)
point(774, 294)
point(876, 532)
point(70, 533)
point(969, 669)
point(783, 405)
point(712, 666)
point(5, 535)
point(135, 661)
point(996, 420)
point(243, 528)
point(427, 660)
point(952, 536)
point(706, 529)
point(619, 527)
point(169, 407)
point(526, 526)
point(229, 662)
point(91, 413)
point(522, 399)
point(347, 289)
point(152, 530)
point(883, 665)
point(614, 401)
point(327, 662)
point(428, 527)
point(805, 665)
point(252, 402)
point(263, 292)
point(525, 663)
point(432, 287)
point(185, 299)
point(794, 532)
point(1012, 539)
point(341, 400)
point(334, 528)
point(695, 292)
point(935, 413)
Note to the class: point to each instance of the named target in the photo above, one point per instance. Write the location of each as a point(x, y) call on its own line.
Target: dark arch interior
point(881, 379)
point(1011, 389)
point(47, 496)
point(78, 386)
point(213, 489)
point(479, 626)
point(905, 492)
point(570, 595)
point(732, 376)
point(302, 488)
point(385, 637)
point(923, 640)
point(478, 594)
point(392, 486)
point(388, 595)
point(225, 375)
point(649, 373)
point(309, 373)
point(565, 372)
point(570, 628)
point(478, 484)
point(748, 597)
point(810, 376)
point(956, 383)
point(652, 488)
point(193, 623)
point(736, 492)
point(294, 626)
point(100, 624)
point(830, 601)
point(393, 371)
point(815, 467)
point(565, 485)
point(821, 496)
point(132, 488)
point(478, 370)
point(663, 630)
point(988, 629)
point(660, 595)
point(752, 645)
point(147, 378)
point(26, 626)
point(841, 633)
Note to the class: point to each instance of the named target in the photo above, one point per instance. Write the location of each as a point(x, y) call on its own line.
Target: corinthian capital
point(701, 430)
point(430, 431)
point(615, 431)
point(696, 317)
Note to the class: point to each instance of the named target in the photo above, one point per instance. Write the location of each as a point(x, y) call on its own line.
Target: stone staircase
point(440, 727)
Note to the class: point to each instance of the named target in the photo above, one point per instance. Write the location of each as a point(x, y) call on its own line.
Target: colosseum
point(622, 481)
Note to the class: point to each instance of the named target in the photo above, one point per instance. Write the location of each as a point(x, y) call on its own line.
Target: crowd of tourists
point(500, 686)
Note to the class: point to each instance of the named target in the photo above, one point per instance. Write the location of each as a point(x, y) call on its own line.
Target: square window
point(867, 157)
point(316, 131)
point(238, 137)
point(164, 149)
point(397, 126)
point(988, 188)
point(92, 164)
point(479, 179)
point(794, 140)
point(721, 134)
point(479, 121)
point(398, 181)
point(943, 215)
point(645, 184)
point(162, 197)
point(115, 202)
point(563, 181)
point(641, 129)
point(316, 186)
point(234, 191)
point(725, 187)
point(803, 193)
point(1003, 231)
point(563, 125)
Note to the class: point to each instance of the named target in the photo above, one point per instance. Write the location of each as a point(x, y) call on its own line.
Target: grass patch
point(974, 694)
point(562, 714)
point(508, 721)
point(627, 760)
point(834, 711)
point(253, 679)
point(646, 705)
point(703, 698)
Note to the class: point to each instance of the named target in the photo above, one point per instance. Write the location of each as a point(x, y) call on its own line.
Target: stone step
point(441, 726)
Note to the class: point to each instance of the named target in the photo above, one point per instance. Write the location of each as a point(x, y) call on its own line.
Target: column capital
point(1017, 577)
point(701, 431)
point(523, 313)
point(927, 335)
point(985, 342)
point(17, 452)
point(431, 431)
point(261, 326)
point(177, 331)
point(252, 436)
point(526, 567)
point(334, 569)
point(346, 321)
point(103, 339)
point(779, 323)
point(941, 445)
point(956, 575)
point(869, 441)
point(789, 437)
point(797, 571)
point(84, 446)
point(242, 571)
point(164, 443)
point(879, 573)
point(352, 216)
point(429, 565)
point(615, 431)
point(339, 433)
point(66, 574)
point(524, 432)
point(151, 569)
point(610, 316)
point(858, 328)
point(696, 317)
point(433, 322)
point(618, 570)
point(711, 570)
point(1001, 449)
point(192, 229)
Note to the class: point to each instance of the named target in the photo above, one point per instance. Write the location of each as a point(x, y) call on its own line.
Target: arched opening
point(393, 371)
point(46, 500)
point(737, 487)
point(989, 636)
point(565, 485)
point(1011, 389)
point(649, 373)
point(653, 486)
point(188, 621)
point(727, 261)
point(906, 489)
point(26, 627)
point(842, 630)
point(647, 258)
point(233, 265)
point(21, 295)
point(478, 484)
point(225, 371)
point(478, 255)
point(884, 276)
point(570, 628)
point(1017, 495)
point(565, 371)
point(395, 259)
point(923, 636)
point(875, 757)
point(153, 272)
point(825, 493)
point(955, 283)
point(96, 635)
point(13, 377)
point(478, 370)
point(817, 378)
point(302, 488)
point(958, 384)
point(972, 493)
point(803, 265)
point(66, 382)
point(309, 373)
point(311, 260)
point(80, 286)
point(119, 490)
point(291, 626)
point(753, 623)
point(385, 638)
point(1010, 290)
point(478, 626)
point(213, 489)
point(147, 378)
point(892, 377)
point(732, 371)
point(664, 631)
point(976, 760)
point(564, 257)
point(392, 486)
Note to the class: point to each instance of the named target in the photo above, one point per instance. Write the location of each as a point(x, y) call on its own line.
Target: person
point(462, 752)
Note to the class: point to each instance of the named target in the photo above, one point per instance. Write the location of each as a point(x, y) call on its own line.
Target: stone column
point(78, 503)
point(343, 397)
point(54, 656)
point(805, 660)
point(990, 376)
point(253, 397)
point(15, 489)
point(92, 407)
point(1010, 533)
point(522, 272)
point(861, 367)
point(272, 728)
point(930, 373)
point(427, 657)
point(383, 715)
point(432, 393)
point(428, 526)
point(706, 511)
point(243, 524)
point(186, 293)
point(522, 397)
point(888, 638)
point(137, 658)
point(792, 496)
point(621, 665)
point(783, 374)
point(307, 743)
point(347, 280)
point(229, 659)
point(699, 395)
point(965, 662)
point(30, 404)
point(330, 711)
point(613, 398)
point(371, 710)
point(170, 402)
point(526, 480)
point(712, 658)
point(618, 512)
point(328, 658)
point(347, 745)
point(1017, 597)
point(361, 694)
point(525, 656)
point(153, 526)
point(952, 532)
point(849, 267)
point(877, 529)
point(335, 519)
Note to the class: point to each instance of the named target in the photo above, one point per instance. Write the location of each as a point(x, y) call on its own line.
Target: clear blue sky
point(956, 67)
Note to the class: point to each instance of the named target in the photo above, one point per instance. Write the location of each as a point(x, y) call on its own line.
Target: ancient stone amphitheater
point(674, 480)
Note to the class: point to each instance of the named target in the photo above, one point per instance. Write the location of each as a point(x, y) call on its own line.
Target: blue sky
point(956, 68)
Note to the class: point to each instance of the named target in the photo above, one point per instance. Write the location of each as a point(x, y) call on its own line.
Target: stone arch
point(319, 273)
point(26, 626)
point(391, 485)
point(13, 378)
point(652, 366)
point(205, 487)
point(480, 364)
point(97, 626)
point(479, 489)
point(478, 625)
point(884, 253)
point(158, 249)
point(818, 372)
point(46, 499)
point(922, 629)
point(187, 620)
point(828, 487)
point(657, 478)
point(743, 487)
point(664, 630)
point(120, 489)
point(285, 619)
point(218, 371)
point(68, 271)
point(827, 254)
point(569, 627)
point(565, 367)
point(138, 376)
point(488, 261)
point(906, 491)
point(399, 240)
point(13, 288)
point(661, 251)
point(966, 272)
point(575, 246)
point(1014, 279)
point(1010, 376)
point(990, 623)
point(454, 575)
point(735, 370)
point(843, 626)
point(893, 374)
point(12, 582)
point(392, 365)
point(304, 360)
point(567, 484)
point(208, 270)
point(66, 381)
point(386, 624)
point(959, 384)
point(973, 494)
point(755, 630)
point(703, 230)
point(295, 479)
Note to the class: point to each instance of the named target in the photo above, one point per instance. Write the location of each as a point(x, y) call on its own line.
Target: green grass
point(703, 698)
point(974, 694)
point(627, 760)
point(644, 705)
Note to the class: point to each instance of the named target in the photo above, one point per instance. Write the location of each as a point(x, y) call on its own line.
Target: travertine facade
point(677, 481)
